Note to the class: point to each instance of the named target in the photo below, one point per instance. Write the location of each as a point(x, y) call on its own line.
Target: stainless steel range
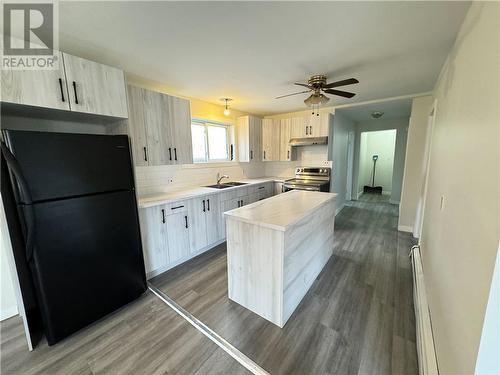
point(309, 178)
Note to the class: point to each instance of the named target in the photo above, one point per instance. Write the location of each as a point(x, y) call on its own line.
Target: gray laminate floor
point(145, 337)
point(357, 318)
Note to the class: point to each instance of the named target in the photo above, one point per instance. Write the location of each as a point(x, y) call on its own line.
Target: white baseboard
point(393, 202)
point(8, 312)
point(405, 228)
point(337, 211)
point(385, 192)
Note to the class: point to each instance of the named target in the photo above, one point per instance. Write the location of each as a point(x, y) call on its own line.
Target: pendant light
point(227, 111)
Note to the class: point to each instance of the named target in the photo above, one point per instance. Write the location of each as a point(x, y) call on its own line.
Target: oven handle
point(291, 187)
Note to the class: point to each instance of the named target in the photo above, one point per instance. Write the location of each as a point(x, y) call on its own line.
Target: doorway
point(376, 160)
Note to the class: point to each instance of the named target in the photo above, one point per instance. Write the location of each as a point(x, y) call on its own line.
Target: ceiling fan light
point(309, 101)
point(323, 99)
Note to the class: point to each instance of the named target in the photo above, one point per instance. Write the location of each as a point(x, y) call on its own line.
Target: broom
point(373, 189)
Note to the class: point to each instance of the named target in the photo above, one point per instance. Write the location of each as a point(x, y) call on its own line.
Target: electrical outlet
point(326, 163)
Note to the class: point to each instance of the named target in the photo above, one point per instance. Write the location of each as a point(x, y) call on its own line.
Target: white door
point(197, 209)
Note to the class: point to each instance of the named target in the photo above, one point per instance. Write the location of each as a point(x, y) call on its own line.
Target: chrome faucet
point(219, 177)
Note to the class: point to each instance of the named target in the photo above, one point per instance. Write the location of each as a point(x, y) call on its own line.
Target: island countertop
point(281, 211)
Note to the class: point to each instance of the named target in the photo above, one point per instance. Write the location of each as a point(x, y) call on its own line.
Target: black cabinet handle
point(163, 216)
point(231, 151)
point(310, 130)
point(264, 154)
point(170, 153)
point(251, 154)
point(76, 95)
point(62, 91)
point(175, 153)
point(239, 203)
point(208, 204)
point(145, 154)
point(288, 154)
point(262, 187)
point(186, 219)
point(204, 205)
point(175, 208)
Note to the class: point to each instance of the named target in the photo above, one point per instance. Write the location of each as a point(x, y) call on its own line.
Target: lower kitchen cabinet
point(176, 232)
point(177, 237)
point(154, 234)
point(278, 188)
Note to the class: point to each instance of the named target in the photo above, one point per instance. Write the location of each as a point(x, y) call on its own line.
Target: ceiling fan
point(317, 86)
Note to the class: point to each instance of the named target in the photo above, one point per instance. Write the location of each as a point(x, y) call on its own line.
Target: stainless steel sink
point(234, 183)
point(220, 186)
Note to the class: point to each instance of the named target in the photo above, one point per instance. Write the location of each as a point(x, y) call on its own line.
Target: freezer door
point(87, 260)
point(61, 165)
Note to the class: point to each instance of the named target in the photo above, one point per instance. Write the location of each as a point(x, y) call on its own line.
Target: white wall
point(414, 162)
point(460, 237)
point(381, 143)
point(342, 125)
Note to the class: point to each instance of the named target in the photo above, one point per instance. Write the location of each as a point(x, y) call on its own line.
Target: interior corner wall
point(401, 126)
point(414, 161)
point(338, 148)
point(459, 241)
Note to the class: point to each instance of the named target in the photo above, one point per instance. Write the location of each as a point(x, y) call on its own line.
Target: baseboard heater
point(427, 362)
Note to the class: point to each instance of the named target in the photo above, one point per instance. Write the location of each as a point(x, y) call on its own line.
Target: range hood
point(309, 141)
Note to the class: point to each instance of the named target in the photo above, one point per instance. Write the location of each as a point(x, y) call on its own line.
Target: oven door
point(288, 187)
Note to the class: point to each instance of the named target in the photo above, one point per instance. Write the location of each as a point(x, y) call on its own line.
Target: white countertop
point(155, 199)
point(281, 211)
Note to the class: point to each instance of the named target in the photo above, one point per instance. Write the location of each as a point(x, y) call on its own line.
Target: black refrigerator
point(74, 199)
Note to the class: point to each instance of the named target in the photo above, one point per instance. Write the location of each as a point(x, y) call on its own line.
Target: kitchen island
point(275, 250)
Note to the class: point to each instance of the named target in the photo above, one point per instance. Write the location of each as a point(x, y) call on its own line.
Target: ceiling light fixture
point(227, 112)
point(377, 114)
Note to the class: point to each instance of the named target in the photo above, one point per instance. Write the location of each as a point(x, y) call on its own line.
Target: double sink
point(226, 185)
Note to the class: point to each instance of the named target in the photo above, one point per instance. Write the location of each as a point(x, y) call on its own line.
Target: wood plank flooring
point(357, 318)
point(144, 337)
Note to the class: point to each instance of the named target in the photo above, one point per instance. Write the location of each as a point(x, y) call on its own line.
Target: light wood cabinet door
point(324, 125)
point(177, 237)
point(179, 112)
point(278, 188)
point(227, 205)
point(95, 88)
point(212, 215)
point(299, 127)
point(271, 140)
point(39, 88)
point(153, 233)
point(285, 132)
point(255, 138)
point(136, 125)
point(249, 129)
point(158, 132)
point(197, 209)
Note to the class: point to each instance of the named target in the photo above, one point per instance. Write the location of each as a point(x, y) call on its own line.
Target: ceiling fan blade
point(297, 93)
point(344, 82)
point(302, 84)
point(345, 94)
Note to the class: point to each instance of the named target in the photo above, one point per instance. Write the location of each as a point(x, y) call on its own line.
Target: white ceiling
point(392, 109)
point(254, 51)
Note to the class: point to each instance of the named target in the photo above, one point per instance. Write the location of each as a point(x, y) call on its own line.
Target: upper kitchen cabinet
point(78, 85)
point(159, 127)
point(286, 151)
point(271, 140)
point(310, 126)
point(249, 133)
point(95, 88)
point(179, 112)
point(38, 88)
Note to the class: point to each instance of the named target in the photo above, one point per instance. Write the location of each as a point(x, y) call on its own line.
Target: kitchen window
point(210, 142)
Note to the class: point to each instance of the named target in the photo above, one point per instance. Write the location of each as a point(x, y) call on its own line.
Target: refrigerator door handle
point(29, 215)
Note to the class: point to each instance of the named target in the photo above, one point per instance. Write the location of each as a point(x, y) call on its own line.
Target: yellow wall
point(199, 108)
point(460, 241)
